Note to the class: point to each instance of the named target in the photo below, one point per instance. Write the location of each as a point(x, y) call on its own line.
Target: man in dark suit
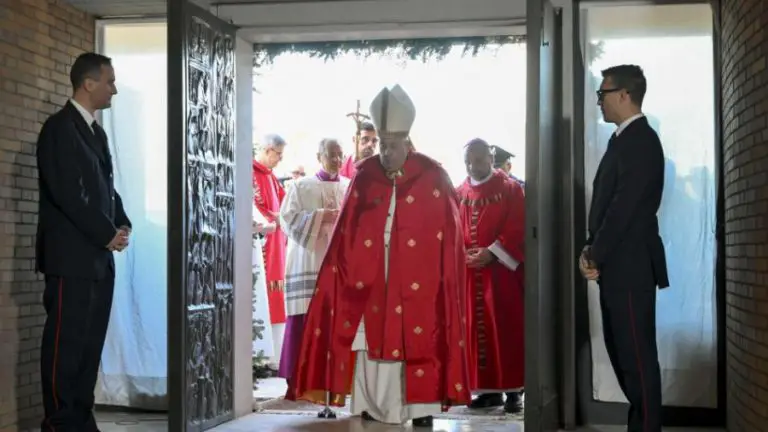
point(81, 222)
point(624, 253)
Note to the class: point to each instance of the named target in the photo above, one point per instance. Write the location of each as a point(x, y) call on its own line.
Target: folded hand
point(588, 268)
point(479, 258)
point(329, 216)
point(120, 240)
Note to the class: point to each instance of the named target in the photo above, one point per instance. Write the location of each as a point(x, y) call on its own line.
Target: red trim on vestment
point(639, 363)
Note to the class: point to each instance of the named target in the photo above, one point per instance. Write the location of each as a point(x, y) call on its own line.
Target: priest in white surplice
point(390, 286)
point(307, 215)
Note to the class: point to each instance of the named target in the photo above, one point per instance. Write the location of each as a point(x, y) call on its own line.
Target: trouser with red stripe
point(73, 338)
point(629, 329)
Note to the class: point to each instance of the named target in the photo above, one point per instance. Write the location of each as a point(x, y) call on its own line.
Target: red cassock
point(415, 317)
point(268, 195)
point(495, 212)
point(348, 168)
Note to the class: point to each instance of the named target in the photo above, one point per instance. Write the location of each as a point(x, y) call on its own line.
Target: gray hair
point(324, 143)
point(272, 141)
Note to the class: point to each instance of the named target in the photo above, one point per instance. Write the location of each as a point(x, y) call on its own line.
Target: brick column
point(744, 43)
point(39, 40)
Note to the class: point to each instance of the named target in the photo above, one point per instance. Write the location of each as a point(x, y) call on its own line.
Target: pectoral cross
point(358, 117)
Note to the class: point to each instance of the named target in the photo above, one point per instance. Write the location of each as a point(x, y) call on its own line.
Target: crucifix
point(358, 117)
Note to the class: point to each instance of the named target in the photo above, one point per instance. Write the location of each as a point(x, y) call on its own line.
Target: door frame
point(177, 305)
point(589, 410)
point(550, 381)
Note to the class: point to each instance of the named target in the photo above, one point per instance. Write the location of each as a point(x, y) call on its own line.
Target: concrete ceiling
point(322, 20)
point(125, 8)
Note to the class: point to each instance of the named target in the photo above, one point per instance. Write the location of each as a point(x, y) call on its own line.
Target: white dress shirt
point(627, 122)
point(88, 117)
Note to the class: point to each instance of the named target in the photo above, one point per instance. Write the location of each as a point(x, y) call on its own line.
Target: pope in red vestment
point(389, 289)
point(493, 220)
point(268, 195)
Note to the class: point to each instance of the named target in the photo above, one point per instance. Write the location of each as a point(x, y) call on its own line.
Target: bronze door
point(201, 214)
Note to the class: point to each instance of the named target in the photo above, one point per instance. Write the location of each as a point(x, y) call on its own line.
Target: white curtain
point(134, 362)
point(265, 345)
point(673, 44)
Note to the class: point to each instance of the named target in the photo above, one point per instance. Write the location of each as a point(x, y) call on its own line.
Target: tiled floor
point(138, 422)
point(269, 389)
point(125, 422)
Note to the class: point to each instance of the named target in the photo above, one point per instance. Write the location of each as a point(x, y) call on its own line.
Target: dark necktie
point(99, 132)
point(101, 136)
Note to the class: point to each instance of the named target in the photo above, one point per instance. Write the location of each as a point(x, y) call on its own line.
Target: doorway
point(666, 40)
point(559, 356)
point(566, 40)
point(190, 338)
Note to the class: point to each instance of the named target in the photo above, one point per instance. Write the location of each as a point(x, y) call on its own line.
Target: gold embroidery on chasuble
point(475, 206)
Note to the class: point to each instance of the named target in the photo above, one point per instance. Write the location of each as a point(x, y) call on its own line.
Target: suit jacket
point(79, 210)
point(623, 227)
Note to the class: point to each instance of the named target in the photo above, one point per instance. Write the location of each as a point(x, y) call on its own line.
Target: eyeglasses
point(602, 92)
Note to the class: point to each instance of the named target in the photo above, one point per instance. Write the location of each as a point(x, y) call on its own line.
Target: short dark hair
point(87, 65)
point(367, 126)
point(479, 142)
point(629, 78)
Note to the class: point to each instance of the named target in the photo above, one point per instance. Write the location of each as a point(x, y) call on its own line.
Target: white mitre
point(393, 112)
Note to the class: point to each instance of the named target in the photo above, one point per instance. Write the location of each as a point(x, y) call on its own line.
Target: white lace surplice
point(308, 237)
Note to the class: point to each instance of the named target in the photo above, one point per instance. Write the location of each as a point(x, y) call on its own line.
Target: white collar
point(88, 117)
point(474, 182)
point(627, 122)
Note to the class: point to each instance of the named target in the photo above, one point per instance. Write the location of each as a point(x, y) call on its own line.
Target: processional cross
point(358, 117)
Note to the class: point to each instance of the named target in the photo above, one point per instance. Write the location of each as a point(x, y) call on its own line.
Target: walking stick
point(327, 412)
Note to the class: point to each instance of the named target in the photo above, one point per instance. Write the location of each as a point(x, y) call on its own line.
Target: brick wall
point(745, 148)
point(38, 42)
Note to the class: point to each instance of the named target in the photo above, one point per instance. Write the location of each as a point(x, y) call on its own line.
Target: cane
point(327, 412)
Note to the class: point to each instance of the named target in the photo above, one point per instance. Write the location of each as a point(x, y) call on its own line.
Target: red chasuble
point(268, 195)
point(495, 212)
point(416, 316)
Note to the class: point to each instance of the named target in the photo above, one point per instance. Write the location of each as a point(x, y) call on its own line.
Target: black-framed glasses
point(602, 92)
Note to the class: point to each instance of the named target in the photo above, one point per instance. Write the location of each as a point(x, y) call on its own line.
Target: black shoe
point(513, 404)
point(90, 423)
point(422, 422)
point(366, 416)
point(487, 400)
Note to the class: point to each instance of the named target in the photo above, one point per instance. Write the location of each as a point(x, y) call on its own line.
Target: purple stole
point(326, 176)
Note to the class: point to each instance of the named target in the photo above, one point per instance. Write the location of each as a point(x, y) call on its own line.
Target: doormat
point(286, 407)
